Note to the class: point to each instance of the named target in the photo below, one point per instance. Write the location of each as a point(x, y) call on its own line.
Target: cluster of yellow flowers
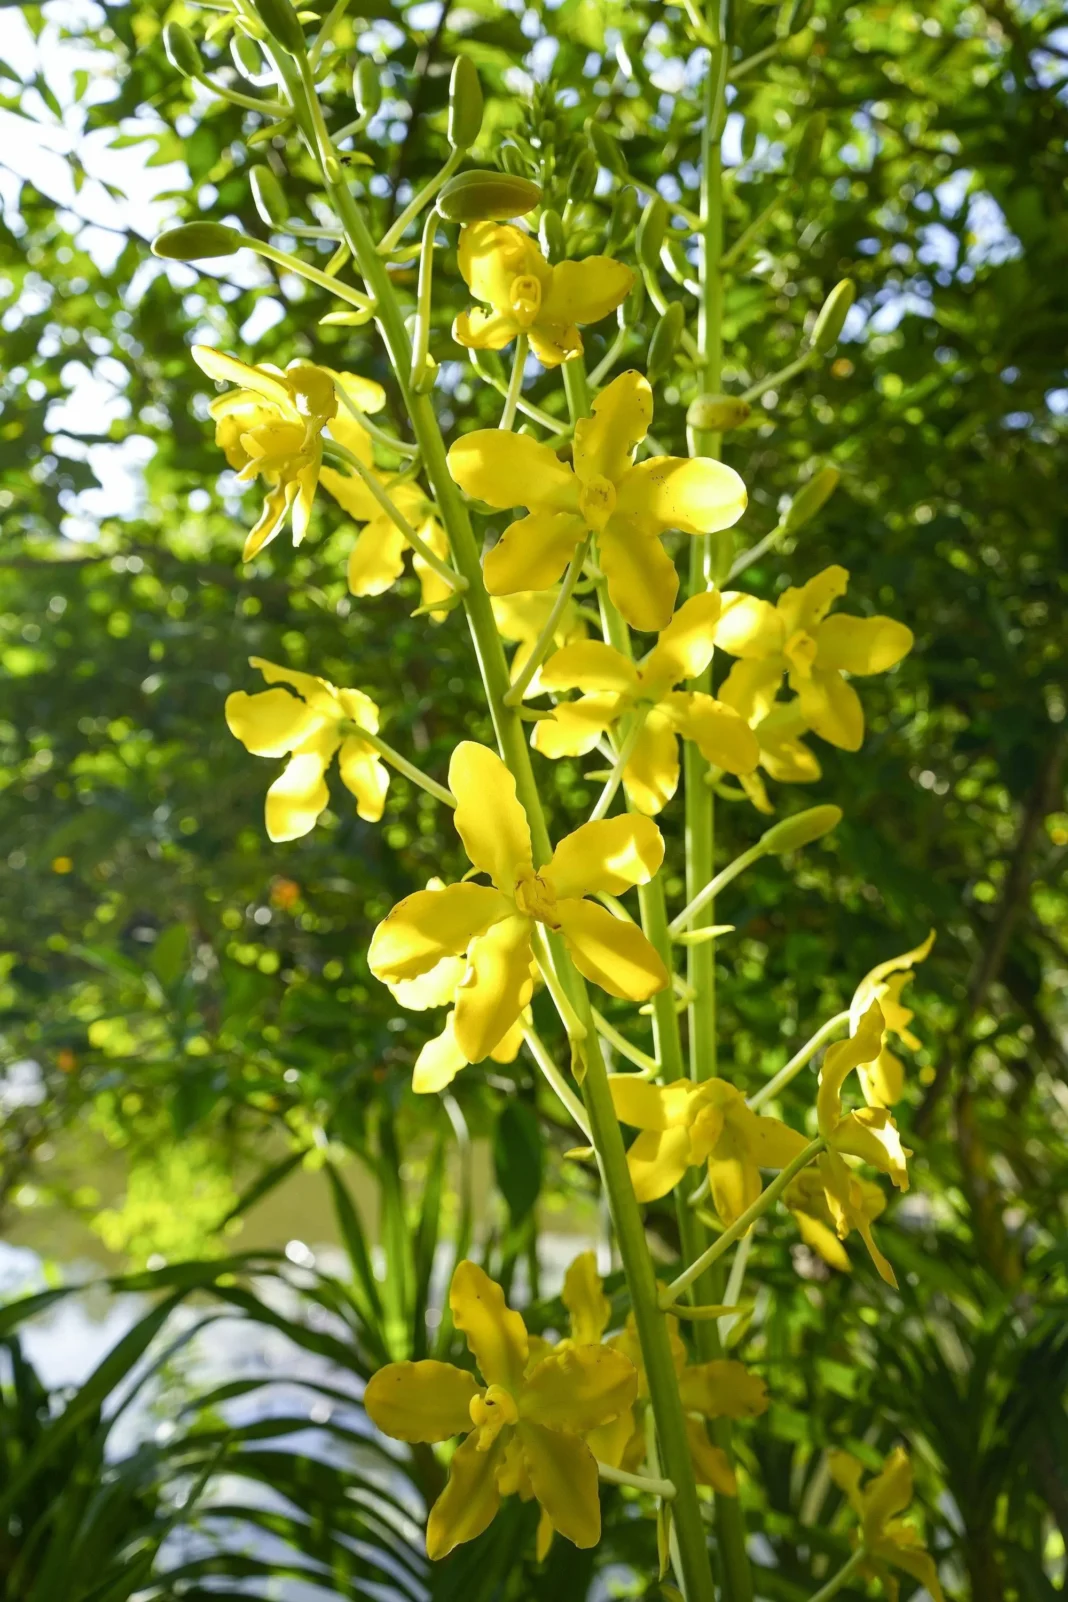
point(544, 1420)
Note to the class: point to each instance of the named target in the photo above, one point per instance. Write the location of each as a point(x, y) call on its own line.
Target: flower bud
point(248, 58)
point(513, 162)
point(195, 241)
point(547, 133)
point(809, 147)
point(465, 104)
point(833, 313)
point(487, 197)
point(366, 87)
point(267, 195)
point(583, 177)
point(551, 236)
point(631, 310)
point(624, 213)
point(800, 830)
point(652, 227)
point(808, 500)
point(665, 341)
point(606, 149)
point(715, 414)
point(281, 22)
point(182, 52)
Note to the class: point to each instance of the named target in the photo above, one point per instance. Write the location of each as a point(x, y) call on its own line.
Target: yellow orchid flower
point(504, 269)
point(309, 728)
point(884, 1079)
point(522, 617)
point(868, 1133)
point(493, 924)
point(684, 1124)
point(887, 1540)
point(524, 1425)
point(627, 505)
point(808, 1198)
point(778, 729)
point(271, 427)
point(796, 637)
point(617, 688)
point(376, 561)
point(719, 1389)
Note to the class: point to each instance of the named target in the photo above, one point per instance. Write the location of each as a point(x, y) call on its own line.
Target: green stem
point(795, 1065)
point(515, 386)
point(755, 552)
point(772, 381)
point(747, 236)
point(543, 643)
point(454, 580)
point(401, 447)
point(652, 1328)
point(705, 897)
point(402, 765)
point(609, 359)
point(553, 1077)
point(665, 1489)
point(836, 1581)
point(293, 264)
point(615, 778)
point(423, 198)
point(724, 1242)
point(421, 334)
point(559, 430)
point(266, 108)
point(650, 1068)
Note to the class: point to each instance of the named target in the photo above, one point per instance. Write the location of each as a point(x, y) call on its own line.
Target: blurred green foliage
point(198, 999)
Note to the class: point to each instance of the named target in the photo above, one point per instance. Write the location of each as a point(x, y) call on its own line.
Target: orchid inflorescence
point(602, 508)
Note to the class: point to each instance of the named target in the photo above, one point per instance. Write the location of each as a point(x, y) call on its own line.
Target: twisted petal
point(920, 1564)
point(711, 1464)
point(685, 647)
point(496, 1336)
point(435, 988)
point(749, 628)
point(872, 1135)
point(722, 1389)
point(575, 726)
point(821, 1239)
point(432, 924)
point(532, 553)
point(228, 370)
point(270, 723)
point(484, 330)
point(642, 579)
point(840, 1060)
point(651, 775)
point(579, 1389)
point(590, 665)
point(495, 988)
point(376, 561)
point(506, 470)
point(319, 693)
point(307, 479)
point(563, 1472)
point(365, 776)
point(888, 1493)
point(873, 986)
point(608, 855)
point(721, 734)
point(605, 442)
point(586, 1302)
point(831, 708)
point(439, 1062)
point(276, 506)
point(862, 645)
point(425, 1401)
point(470, 1500)
point(807, 606)
point(691, 493)
point(657, 1161)
point(299, 794)
point(611, 952)
point(585, 291)
point(489, 818)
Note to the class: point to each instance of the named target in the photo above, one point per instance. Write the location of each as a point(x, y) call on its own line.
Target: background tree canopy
point(180, 992)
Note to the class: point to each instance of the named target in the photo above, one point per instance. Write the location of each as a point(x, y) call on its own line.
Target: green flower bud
point(582, 180)
point(715, 414)
point(487, 197)
point(547, 133)
point(808, 500)
point(196, 241)
point(366, 87)
point(267, 194)
point(248, 58)
point(624, 213)
point(182, 52)
point(282, 23)
point(465, 104)
point(513, 162)
point(631, 310)
point(833, 314)
point(665, 341)
point(652, 227)
point(606, 148)
point(800, 830)
point(551, 236)
point(809, 146)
